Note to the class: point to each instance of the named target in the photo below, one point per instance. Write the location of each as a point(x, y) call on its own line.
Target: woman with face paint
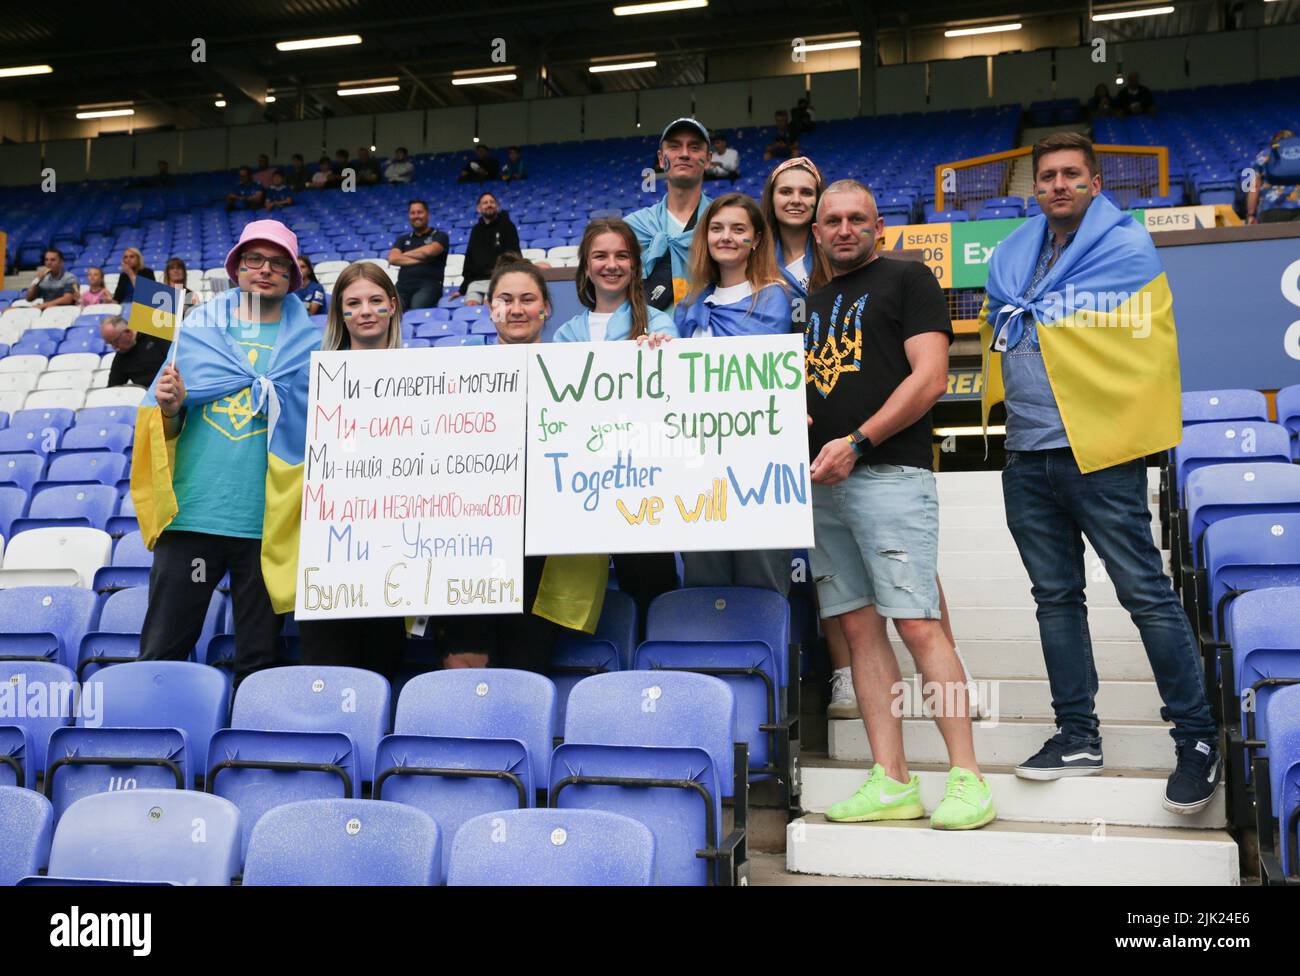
point(789, 205)
point(611, 288)
point(312, 294)
point(520, 303)
point(365, 313)
point(736, 290)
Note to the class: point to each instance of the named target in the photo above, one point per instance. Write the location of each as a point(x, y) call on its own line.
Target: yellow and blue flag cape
point(651, 228)
point(154, 309)
point(1105, 320)
point(212, 365)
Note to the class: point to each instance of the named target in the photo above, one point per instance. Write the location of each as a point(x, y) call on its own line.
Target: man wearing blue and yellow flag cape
point(1078, 338)
point(216, 474)
point(665, 230)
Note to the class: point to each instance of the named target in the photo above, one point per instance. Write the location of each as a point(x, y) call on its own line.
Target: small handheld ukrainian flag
point(155, 309)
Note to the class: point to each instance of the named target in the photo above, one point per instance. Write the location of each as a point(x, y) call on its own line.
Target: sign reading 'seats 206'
point(697, 445)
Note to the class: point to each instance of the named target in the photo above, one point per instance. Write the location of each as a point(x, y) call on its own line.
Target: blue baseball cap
point(685, 123)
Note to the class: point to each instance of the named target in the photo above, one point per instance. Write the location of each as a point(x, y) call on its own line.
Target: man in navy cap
point(665, 230)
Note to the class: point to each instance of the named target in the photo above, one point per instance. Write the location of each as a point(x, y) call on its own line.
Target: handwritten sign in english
point(699, 445)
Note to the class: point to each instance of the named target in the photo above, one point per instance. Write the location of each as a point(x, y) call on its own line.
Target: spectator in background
point(324, 177)
point(132, 266)
point(482, 167)
point(724, 164)
point(367, 168)
point(422, 257)
point(779, 147)
point(493, 236)
point(1101, 103)
point(277, 195)
point(515, 167)
point(299, 176)
point(136, 357)
point(311, 293)
point(262, 174)
point(1275, 181)
point(96, 292)
point(247, 194)
point(164, 177)
point(1134, 98)
point(665, 230)
point(400, 169)
point(176, 276)
point(53, 285)
point(341, 162)
point(801, 118)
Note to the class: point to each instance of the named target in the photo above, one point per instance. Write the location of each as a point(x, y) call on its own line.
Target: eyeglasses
point(254, 262)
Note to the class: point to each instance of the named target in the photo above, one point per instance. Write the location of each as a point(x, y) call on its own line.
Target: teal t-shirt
point(220, 479)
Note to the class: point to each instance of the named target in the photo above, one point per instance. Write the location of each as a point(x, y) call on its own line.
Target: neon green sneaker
point(880, 798)
point(967, 802)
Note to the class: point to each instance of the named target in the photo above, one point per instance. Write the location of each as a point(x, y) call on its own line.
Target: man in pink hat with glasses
point(218, 443)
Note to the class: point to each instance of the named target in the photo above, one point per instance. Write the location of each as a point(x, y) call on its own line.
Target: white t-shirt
point(723, 296)
point(598, 325)
point(675, 226)
point(795, 268)
point(729, 160)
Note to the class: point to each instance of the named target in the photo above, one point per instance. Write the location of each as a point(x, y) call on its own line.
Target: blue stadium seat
point(1204, 406)
point(574, 658)
point(23, 470)
point(1288, 415)
point(69, 505)
point(15, 747)
point(482, 703)
point(151, 729)
point(1217, 442)
point(55, 687)
point(1283, 779)
point(344, 842)
point(1264, 634)
point(98, 437)
point(1222, 490)
point(13, 505)
point(45, 623)
point(1248, 552)
point(97, 416)
point(658, 748)
point(298, 733)
point(552, 847)
point(37, 421)
point(14, 440)
point(724, 613)
point(87, 468)
point(116, 638)
point(130, 565)
point(148, 835)
point(27, 826)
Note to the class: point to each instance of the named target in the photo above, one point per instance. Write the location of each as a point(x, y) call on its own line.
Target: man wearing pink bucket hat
point(216, 470)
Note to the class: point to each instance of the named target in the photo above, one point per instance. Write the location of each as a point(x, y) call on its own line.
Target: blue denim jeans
point(1051, 506)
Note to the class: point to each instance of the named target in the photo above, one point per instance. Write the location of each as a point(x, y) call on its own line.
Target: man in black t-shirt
point(136, 357)
point(494, 235)
point(422, 257)
point(876, 361)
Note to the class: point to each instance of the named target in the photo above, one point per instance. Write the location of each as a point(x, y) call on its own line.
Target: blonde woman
point(364, 313)
point(132, 267)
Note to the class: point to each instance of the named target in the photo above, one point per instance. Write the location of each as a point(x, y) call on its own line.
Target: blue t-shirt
point(312, 292)
point(246, 190)
point(1033, 417)
point(277, 193)
point(220, 479)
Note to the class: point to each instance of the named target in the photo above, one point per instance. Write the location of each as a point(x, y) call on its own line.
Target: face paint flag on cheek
point(1041, 192)
point(1081, 187)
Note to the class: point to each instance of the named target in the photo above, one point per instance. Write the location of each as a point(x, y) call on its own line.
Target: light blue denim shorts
point(877, 542)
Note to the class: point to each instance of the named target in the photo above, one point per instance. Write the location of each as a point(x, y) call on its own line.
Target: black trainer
point(1192, 784)
point(1063, 755)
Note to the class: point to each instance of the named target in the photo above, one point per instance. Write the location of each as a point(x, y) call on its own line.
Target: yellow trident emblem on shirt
point(238, 409)
point(840, 351)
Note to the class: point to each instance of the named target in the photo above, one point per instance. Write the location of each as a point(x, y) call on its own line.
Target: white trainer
point(844, 703)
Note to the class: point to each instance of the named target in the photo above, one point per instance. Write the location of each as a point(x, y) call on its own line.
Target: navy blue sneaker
point(1063, 755)
point(1192, 784)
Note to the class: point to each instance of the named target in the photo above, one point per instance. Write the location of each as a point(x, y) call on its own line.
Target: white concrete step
point(1013, 590)
point(1007, 698)
point(1009, 742)
point(1007, 852)
point(992, 480)
point(955, 560)
point(1021, 623)
point(984, 513)
point(1124, 660)
point(1126, 798)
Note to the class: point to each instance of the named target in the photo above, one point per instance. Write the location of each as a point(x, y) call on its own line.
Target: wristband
point(860, 442)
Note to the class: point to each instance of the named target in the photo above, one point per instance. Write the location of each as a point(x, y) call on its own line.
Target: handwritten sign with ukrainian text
point(413, 483)
point(699, 445)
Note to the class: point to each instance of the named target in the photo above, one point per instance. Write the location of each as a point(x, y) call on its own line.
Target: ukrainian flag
point(213, 365)
point(155, 309)
point(1105, 321)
